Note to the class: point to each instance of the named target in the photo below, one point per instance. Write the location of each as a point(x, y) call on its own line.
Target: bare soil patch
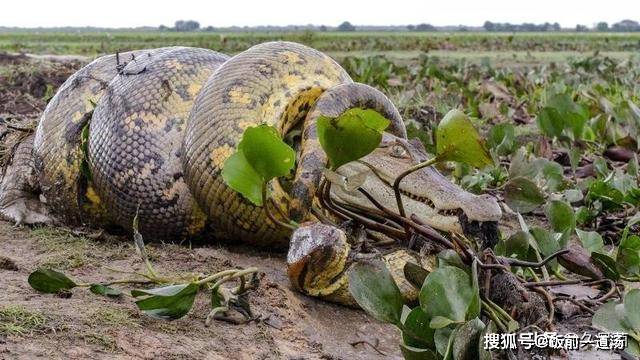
point(88, 326)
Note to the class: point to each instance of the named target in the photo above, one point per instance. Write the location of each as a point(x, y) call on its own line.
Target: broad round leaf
point(374, 289)
point(628, 259)
point(607, 264)
point(591, 240)
point(465, 344)
point(502, 138)
point(443, 338)
point(167, 303)
point(265, 151)
point(516, 244)
point(417, 332)
point(457, 140)
point(561, 216)
point(413, 353)
point(447, 292)
point(546, 243)
point(523, 195)
point(50, 281)
point(608, 319)
point(350, 136)
point(632, 309)
point(241, 177)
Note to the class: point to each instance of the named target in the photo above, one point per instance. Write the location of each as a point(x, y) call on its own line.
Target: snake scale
point(146, 133)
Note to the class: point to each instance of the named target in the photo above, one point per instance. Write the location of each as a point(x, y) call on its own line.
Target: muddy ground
point(88, 326)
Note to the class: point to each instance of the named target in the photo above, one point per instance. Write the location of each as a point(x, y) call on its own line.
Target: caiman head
point(433, 198)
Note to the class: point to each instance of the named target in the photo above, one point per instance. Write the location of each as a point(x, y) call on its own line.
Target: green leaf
point(546, 243)
point(607, 318)
point(438, 322)
point(265, 151)
point(591, 240)
point(603, 191)
point(50, 281)
point(628, 259)
point(632, 309)
point(104, 290)
point(607, 264)
point(562, 113)
point(523, 195)
point(516, 244)
point(553, 174)
point(350, 136)
point(447, 292)
point(484, 354)
point(261, 156)
point(241, 177)
point(550, 122)
point(475, 305)
point(217, 300)
point(413, 353)
point(457, 140)
point(167, 303)
point(416, 331)
point(465, 344)
point(374, 289)
point(561, 216)
point(450, 257)
point(502, 138)
point(442, 338)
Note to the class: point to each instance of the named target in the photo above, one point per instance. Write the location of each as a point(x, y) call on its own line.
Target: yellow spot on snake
point(245, 124)
point(220, 154)
point(92, 196)
point(291, 57)
point(194, 89)
point(174, 64)
point(240, 97)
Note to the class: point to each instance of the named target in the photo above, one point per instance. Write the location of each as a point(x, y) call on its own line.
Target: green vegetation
point(172, 300)
point(18, 320)
point(100, 42)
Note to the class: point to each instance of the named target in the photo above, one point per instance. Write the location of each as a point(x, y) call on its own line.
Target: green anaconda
point(149, 136)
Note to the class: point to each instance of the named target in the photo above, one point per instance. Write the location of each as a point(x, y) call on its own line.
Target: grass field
point(91, 43)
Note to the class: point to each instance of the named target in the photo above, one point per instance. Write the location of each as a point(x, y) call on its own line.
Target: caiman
point(147, 133)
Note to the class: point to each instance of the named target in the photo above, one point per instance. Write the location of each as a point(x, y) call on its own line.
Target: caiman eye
point(398, 151)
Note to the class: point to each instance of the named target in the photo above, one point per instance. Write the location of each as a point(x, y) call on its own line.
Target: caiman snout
point(433, 198)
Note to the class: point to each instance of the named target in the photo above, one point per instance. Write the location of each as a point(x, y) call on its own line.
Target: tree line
point(621, 26)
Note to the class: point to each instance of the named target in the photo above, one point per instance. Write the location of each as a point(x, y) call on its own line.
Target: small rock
point(618, 153)
point(8, 264)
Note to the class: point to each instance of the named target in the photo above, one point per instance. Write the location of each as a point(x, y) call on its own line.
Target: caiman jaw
point(434, 199)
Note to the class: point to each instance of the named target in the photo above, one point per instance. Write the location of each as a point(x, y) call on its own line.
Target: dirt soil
point(85, 325)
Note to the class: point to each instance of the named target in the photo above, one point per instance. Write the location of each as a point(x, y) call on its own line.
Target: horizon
point(120, 14)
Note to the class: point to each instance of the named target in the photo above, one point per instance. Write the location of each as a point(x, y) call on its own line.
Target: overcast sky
point(132, 13)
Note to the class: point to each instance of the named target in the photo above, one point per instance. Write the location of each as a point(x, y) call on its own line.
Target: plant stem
point(500, 310)
point(493, 316)
point(265, 204)
point(396, 183)
point(232, 273)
